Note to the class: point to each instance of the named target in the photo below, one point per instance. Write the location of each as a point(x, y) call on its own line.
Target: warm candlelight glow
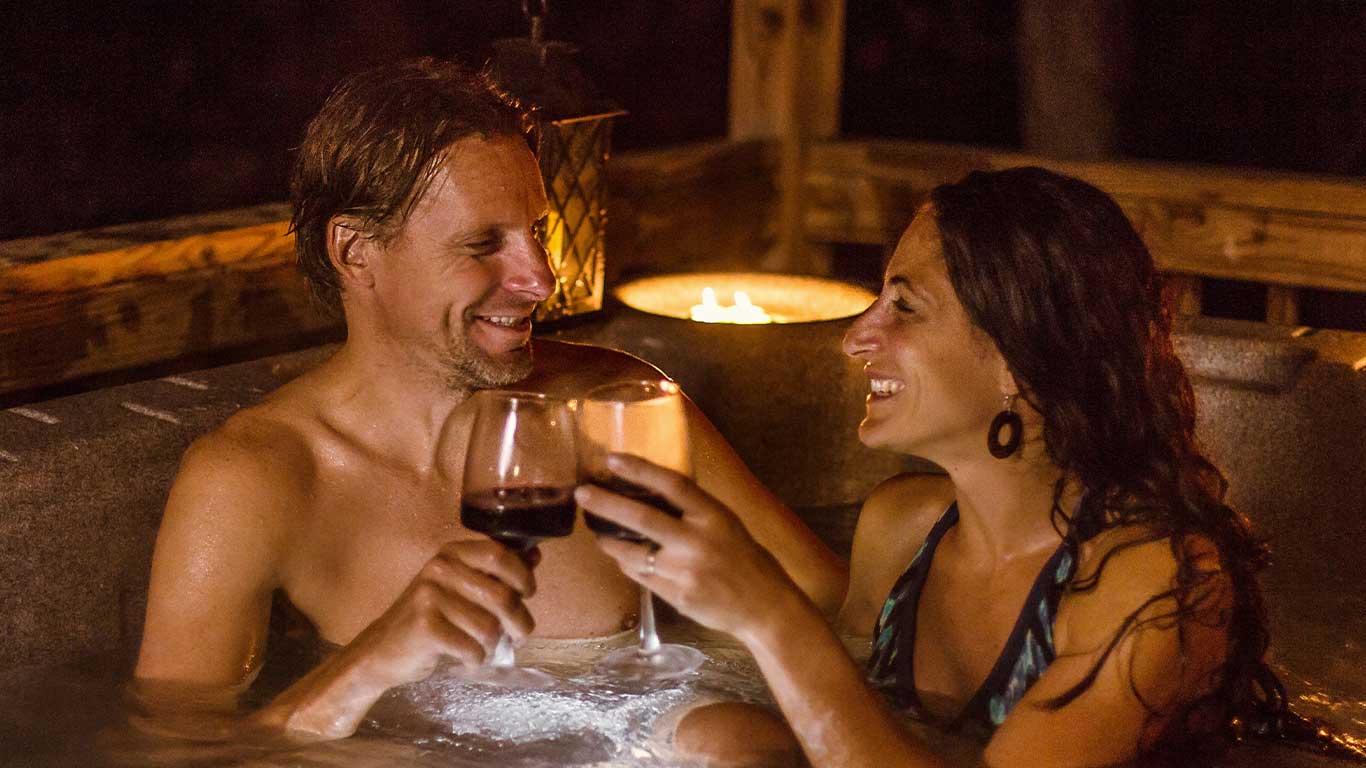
point(742, 312)
point(754, 298)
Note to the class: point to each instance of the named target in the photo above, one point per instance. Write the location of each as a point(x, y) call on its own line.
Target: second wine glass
point(646, 419)
point(520, 472)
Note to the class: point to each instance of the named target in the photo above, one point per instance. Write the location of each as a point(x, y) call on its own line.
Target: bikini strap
point(895, 625)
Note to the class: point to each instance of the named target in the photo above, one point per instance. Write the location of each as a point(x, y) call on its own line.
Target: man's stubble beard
point(469, 368)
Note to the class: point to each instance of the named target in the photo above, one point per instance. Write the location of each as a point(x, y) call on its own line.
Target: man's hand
point(457, 605)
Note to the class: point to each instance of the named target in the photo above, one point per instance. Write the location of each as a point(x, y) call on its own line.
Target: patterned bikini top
point(1027, 653)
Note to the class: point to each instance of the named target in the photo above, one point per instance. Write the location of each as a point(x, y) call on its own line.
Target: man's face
point(457, 286)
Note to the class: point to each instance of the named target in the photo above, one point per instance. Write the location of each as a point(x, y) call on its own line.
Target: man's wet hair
point(375, 145)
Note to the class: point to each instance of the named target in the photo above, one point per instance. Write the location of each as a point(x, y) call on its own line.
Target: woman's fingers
point(639, 516)
point(636, 560)
point(643, 564)
point(679, 489)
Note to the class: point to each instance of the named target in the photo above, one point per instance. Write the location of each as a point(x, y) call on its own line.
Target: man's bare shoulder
point(265, 450)
point(567, 369)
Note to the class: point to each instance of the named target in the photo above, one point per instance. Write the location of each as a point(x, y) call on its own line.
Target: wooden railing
point(1284, 230)
point(81, 304)
point(181, 293)
point(130, 297)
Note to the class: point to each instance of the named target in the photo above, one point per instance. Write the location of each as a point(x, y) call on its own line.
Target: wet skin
point(935, 384)
point(342, 488)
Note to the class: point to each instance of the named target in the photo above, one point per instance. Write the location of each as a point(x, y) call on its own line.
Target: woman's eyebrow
point(901, 281)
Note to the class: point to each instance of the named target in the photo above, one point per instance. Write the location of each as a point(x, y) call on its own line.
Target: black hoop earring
point(1007, 419)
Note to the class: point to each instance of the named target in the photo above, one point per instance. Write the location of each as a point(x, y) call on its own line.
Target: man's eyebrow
point(470, 236)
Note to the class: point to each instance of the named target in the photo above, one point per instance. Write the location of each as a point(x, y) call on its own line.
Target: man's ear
point(351, 249)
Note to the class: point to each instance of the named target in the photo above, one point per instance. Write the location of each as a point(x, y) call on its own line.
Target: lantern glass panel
point(572, 156)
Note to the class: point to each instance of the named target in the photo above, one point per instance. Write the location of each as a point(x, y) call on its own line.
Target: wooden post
point(1282, 305)
point(1182, 294)
point(1075, 59)
point(786, 74)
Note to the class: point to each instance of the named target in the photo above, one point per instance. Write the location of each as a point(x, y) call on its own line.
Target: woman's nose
point(861, 338)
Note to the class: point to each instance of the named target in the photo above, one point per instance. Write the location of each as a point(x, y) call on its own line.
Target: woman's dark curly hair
point(1051, 269)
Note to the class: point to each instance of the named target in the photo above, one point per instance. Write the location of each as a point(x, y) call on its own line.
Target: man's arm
point(214, 568)
point(217, 557)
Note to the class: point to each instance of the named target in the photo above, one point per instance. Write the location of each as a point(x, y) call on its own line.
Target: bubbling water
point(588, 719)
point(73, 717)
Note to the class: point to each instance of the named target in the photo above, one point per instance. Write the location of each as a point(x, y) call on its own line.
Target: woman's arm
point(709, 568)
point(837, 717)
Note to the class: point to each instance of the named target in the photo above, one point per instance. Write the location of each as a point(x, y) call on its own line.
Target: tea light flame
point(742, 312)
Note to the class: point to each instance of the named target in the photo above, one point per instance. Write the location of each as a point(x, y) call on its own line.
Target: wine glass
point(646, 419)
point(520, 473)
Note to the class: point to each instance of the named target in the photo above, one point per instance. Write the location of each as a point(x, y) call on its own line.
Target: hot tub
point(83, 479)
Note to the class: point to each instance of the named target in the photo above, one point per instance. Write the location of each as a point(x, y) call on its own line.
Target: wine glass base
point(668, 662)
point(523, 678)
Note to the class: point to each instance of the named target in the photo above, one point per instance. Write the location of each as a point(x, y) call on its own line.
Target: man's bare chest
point(360, 545)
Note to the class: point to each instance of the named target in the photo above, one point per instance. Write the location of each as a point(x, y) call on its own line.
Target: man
point(416, 206)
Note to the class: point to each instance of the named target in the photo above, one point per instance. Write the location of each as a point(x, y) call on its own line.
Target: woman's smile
point(882, 386)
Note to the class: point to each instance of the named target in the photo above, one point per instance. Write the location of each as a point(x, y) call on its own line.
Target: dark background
point(121, 112)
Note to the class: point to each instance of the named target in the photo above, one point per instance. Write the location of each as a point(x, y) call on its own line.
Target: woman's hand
point(705, 563)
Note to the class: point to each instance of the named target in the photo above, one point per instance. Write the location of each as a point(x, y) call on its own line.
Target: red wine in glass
point(630, 490)
point(646, 419)
point(519, 518)
point(520, 472)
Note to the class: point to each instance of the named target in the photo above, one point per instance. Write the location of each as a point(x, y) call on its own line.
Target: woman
point(1074, 588)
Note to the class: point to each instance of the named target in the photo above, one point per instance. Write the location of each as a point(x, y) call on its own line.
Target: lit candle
point(743, 311)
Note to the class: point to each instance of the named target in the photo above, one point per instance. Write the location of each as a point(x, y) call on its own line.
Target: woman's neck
point(1005, 506)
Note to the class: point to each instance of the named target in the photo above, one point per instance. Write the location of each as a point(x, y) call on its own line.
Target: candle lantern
point(574, 126)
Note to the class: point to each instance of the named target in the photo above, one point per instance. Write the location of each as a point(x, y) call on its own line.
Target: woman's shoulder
point(894, 521)
point(1135, 570)
point(907, 505)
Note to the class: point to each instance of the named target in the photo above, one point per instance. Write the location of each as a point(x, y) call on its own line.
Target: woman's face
point(936, 381)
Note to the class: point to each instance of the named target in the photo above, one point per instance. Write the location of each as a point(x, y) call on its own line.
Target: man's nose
point(528, 272)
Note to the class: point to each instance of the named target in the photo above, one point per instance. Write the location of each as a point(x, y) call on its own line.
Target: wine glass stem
point(649, 638)
point(503, 655)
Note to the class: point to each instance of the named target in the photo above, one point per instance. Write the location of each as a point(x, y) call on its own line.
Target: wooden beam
point(1276, 228)
point(31, 250)
point(787, 60)
point(1070, 103)
point(67, 318)
point(1183, 294)
point(86, 304)
point(786, 78)
point(695, 207)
